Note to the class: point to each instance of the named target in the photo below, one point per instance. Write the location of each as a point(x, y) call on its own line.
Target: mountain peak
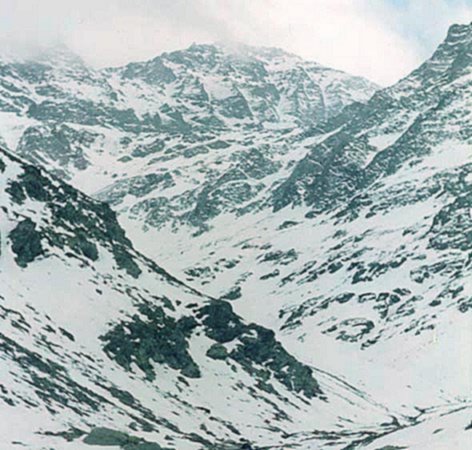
point(235, 47)
point(451, 60)
point(458, 36)
point(460, 28)
point(54, 54)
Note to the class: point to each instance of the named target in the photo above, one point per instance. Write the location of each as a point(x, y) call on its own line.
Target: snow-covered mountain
point(359, 250)
point(187, 95)
point(367, 250)
point(99, 344)
point(335, 214)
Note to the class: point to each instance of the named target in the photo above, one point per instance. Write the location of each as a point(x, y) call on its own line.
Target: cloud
point(382, 40)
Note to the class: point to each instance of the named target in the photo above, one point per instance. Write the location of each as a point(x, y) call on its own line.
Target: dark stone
point(157, 337)
point(102, 436)
point(26, 242)
point(257, 347)
point(233, 294)
point(217, 351)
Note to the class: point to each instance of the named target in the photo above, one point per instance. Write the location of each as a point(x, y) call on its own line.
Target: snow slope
point(95, 335)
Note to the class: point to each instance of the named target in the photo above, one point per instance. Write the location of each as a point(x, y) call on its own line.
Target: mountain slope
point(205, 124)
point(96, 340)
point(400, 123)
point(363, 251)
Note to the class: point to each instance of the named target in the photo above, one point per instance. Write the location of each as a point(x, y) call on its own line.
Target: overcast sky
point(380, 39)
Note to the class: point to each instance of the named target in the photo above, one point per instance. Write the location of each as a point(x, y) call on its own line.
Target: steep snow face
point(99, 344)
point(206, 124)
point(208, 84)
point(398, 124)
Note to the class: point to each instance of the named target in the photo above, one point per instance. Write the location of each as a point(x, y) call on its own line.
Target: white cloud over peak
point(382, 40)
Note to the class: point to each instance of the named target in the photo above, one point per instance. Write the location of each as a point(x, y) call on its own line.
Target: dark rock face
point(30, 184)
point(163, 340)
point(221, 323)
point(233, 188)
point(452, 226)
point(80, 244)
point(256, 346)
point(217, 351)
point(70, 211)
point(26, 242)
point(138, 186)
point(158, 338)
point(232, 294)
point(106, 437)
point(59, 144)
